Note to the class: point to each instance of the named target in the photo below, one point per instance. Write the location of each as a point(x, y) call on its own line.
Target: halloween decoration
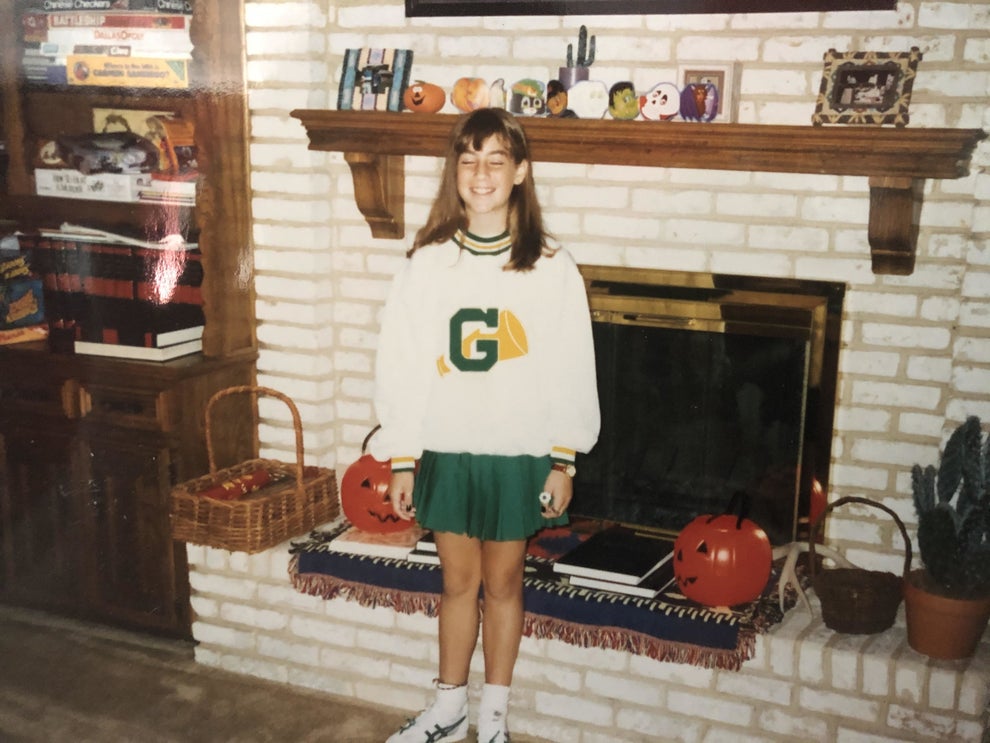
point(722, 560)
point(496, 94)
point(699, 102)
point(469, 94)
point(364, 494)
point(622, 101)
point(557, 101)
point(425, 98)
point(528, 98)
point(577, 69)
point(662, 103)
point(588, 99)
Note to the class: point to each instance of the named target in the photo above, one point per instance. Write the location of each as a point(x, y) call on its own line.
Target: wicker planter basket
point(856, 601)
point(298, 499)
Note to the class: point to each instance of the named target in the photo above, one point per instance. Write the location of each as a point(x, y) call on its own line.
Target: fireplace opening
point(710, 385)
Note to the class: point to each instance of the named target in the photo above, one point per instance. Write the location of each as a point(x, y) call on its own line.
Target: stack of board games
point(119, 43)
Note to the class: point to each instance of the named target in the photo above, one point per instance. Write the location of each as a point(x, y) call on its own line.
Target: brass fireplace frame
point(806, 310)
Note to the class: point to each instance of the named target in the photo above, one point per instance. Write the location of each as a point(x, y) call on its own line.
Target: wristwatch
point(566, 467)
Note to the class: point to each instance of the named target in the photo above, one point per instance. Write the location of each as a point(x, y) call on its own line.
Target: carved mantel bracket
point(896, 160)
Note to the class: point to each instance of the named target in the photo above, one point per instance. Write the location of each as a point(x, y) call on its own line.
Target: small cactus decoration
point(586, 51)
point(953, 508)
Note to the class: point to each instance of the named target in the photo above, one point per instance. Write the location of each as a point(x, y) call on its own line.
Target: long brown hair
point(529, 238)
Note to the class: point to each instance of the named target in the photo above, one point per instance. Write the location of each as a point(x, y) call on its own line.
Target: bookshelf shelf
point(896, 161)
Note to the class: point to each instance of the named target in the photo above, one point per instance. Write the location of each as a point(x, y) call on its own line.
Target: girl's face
point(485, 178)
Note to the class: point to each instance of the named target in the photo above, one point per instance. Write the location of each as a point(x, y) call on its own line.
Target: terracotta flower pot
point(941, 627)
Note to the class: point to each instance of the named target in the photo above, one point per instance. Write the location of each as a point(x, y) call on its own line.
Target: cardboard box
point(22, 303)
point(71, 184)
point(127, 72)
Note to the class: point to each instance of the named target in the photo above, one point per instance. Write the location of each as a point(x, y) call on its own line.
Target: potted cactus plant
point(953, 508)
point(576, 68)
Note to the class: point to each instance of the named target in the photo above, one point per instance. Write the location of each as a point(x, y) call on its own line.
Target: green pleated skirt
point(486, 496)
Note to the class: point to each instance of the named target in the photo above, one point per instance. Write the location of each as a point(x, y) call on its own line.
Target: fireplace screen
point(709, 385)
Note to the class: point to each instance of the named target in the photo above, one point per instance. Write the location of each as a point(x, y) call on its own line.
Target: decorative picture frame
point(866, 87)
point(723, 77)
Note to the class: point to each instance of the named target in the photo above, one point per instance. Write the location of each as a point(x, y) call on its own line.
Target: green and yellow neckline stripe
point(483, 245)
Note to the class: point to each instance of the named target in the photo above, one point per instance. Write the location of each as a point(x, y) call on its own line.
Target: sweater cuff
point(403, 464)
point(562, 455)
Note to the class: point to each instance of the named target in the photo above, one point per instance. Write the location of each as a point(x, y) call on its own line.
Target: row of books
point(131, 43)
point(120, 296)
point(618, 559)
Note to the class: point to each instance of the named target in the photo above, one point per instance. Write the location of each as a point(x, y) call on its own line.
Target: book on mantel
point(620, 554)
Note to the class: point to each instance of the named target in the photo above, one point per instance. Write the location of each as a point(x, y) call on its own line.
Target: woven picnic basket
point(297, 498)
point(857, 601)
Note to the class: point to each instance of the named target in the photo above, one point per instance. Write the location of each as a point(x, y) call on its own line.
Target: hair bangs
point(485, 123)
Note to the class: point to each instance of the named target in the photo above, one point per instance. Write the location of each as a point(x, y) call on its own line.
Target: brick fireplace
point(913, 359)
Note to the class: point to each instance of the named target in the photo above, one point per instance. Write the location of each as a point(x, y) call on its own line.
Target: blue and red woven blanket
point(668, 627)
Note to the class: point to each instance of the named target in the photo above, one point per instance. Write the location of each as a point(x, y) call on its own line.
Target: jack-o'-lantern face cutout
point(425, 98)
point(364, 497)
point(722, 560)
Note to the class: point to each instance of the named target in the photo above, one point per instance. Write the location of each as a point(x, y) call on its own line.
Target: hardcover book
point(397, 545)
point(139, 353)
point(619, 553)
point(426, 557)
point(652, 585)
point(374, 79)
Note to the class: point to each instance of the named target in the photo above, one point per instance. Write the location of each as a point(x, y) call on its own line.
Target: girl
point(485, 374)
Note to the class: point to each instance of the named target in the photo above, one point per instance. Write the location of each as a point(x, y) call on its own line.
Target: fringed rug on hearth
point(668, 627)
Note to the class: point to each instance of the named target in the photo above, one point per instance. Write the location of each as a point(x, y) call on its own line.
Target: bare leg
point(502, 564)
point(460, 560)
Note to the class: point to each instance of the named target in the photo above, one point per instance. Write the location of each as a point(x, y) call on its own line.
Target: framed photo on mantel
point(422, 8)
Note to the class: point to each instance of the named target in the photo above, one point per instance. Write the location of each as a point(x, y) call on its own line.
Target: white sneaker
point(431, 726)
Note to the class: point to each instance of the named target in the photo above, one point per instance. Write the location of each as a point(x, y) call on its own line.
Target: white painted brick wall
point(914, 358)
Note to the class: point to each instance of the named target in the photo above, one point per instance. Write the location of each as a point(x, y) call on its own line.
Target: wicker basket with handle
point(298, 498)
point(857, 601)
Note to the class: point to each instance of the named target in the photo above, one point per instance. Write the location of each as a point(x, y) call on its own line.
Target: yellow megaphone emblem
point(481, 349)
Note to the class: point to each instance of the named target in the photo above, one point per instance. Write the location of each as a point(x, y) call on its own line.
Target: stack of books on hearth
point(620, 559)
point(426, 550)
point(396, 545)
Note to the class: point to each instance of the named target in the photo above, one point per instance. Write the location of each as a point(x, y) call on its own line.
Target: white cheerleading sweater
point(476, 359)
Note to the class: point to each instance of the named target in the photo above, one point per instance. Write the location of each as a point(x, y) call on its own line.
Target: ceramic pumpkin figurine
point(364, 494)
point(424, 98)
point(722, 560)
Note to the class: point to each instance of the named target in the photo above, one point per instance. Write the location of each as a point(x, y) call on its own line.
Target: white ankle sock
point(451, 699)
point(494, 701)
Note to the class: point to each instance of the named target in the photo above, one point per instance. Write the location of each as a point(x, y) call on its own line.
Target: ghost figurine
point(588, 99)
point(496, 94)
point(662, 103)
point(528, 98)
point(699, 102)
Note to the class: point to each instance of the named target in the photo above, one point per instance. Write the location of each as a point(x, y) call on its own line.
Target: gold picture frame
point(866, 87)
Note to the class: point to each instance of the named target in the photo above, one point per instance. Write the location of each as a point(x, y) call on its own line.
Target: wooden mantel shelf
point(896, 160)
